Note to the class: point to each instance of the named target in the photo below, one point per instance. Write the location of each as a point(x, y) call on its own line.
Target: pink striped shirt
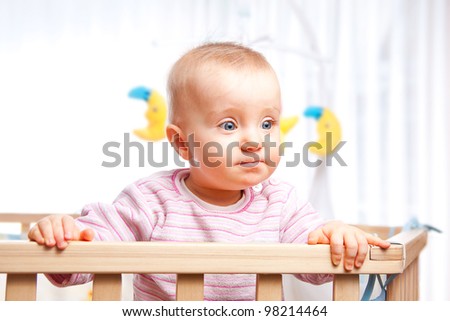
point(161, 208)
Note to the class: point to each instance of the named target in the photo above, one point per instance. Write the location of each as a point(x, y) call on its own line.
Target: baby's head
point(225, 98)
point(190, 78)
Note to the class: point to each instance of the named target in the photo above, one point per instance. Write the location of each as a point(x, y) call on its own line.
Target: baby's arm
point(57, 230)
point(346, 240)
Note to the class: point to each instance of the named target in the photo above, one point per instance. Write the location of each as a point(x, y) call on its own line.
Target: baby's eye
point(228, 125)
point(267, 124)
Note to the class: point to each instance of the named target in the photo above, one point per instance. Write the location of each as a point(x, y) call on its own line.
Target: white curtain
point(382, 66)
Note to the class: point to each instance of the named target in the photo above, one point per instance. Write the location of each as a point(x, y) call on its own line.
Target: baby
point(224, 118)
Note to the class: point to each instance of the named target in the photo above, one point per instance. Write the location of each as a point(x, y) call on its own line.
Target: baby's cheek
point(215, 154)
point(274, 153)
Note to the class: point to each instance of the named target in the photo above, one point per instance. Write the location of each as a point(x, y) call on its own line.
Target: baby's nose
point(251, 141)
point(251, 146)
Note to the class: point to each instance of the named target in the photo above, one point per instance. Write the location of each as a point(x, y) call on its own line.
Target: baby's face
point(233, 127)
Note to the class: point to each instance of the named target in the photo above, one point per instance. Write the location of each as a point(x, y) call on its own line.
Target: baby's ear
point(177, 140)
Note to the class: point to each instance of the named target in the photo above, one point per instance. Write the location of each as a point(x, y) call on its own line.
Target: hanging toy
point(156, 113)
point(328, 129)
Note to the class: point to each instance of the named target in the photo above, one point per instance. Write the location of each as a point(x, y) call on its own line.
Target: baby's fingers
point(351, 251)
point(34, 234)
point(316, 237)
point(45, 227)
point(69, 227)
point(83, 235)
point(362, 250)
point(58, 232)
point(375, 240)
point(87, 235)
point(337, 247)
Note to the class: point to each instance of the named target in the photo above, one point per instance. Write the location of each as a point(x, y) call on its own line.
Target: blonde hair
point(207, 57)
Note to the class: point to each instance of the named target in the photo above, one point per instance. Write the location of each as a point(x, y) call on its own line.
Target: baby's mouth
point(250, 164)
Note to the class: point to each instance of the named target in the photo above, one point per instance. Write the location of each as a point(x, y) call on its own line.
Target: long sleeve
point(299, 220)
point(129, 218)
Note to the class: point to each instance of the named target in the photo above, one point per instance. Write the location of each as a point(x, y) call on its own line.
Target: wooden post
point(269, 287)
point(20, 287)
point(107, 287)
point(24, 228)
point(190, 287)
point(405, 286)
point(346, 287)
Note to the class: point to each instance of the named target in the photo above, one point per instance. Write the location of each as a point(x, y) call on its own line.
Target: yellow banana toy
point(156, 114)
point(328, 130)
point(286, 124)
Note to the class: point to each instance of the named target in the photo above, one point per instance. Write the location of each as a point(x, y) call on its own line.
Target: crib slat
point(396, 290)
point(107, 287)
point(190, 287)
point(405, 286)
point(415, 280)
point(269, 287)
point(346, 287)
point(20, 287)
point(24, 228)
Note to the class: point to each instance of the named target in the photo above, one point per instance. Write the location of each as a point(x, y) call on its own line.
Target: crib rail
point(22, 261)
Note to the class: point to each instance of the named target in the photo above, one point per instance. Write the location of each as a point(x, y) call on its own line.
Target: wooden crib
point(23, 260)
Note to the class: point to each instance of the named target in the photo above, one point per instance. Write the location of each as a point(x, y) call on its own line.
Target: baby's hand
point(346, 240)
point(57, 230)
